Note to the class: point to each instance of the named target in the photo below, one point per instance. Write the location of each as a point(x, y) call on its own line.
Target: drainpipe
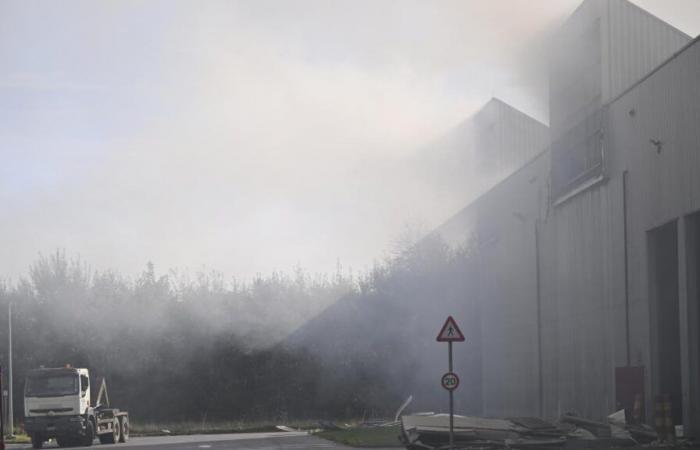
point(627, 291)
point(539, 319)
point(10, 406)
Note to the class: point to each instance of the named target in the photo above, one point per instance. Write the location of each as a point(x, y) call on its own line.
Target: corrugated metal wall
point(604, 48)
point(482, 151)
point(584, 283)
point(508, 294)
point(501, 226)
point(520, 140)
point(504, 140)
point(637, 43)
point(663, 186)
point(653, 133)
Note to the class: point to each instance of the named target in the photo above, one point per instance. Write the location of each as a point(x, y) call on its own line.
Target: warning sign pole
point(2, 419)
point(450, 333)
point(452, 405)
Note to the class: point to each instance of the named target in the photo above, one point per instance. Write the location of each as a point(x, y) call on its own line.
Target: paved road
point(240, 441)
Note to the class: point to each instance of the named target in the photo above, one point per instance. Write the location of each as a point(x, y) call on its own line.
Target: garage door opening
point(665, 322)
point(692, 246)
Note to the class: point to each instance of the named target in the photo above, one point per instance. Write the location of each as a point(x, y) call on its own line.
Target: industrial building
point(587, 288)
point(481, 151)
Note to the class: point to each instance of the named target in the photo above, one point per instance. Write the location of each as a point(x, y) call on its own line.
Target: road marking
point(310, 446)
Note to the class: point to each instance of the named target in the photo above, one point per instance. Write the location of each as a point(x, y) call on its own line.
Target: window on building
point(577, 156)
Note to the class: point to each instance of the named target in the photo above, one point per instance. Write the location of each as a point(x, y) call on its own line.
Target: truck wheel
point(113, 436)
point(89, 433)
point(124, 422)
point(117, 435)
point(37, 441)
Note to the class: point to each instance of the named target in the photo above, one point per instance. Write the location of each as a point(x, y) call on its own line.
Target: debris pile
point(431, 432)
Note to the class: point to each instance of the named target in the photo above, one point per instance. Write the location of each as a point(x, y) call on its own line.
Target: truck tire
point(113, 437)
point(117, 434)
point(89, 433)
point(124, 423)
point(37, 441)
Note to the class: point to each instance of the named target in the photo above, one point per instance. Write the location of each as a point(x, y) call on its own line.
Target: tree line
point(175, 346)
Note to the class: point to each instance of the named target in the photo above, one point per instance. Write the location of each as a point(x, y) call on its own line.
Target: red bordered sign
point(450, 381)
point(450, 332)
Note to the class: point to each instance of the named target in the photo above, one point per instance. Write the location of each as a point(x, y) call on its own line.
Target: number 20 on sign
point(450, 381)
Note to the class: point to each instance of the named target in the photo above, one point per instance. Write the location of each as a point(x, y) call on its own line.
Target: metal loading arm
point(103, 391)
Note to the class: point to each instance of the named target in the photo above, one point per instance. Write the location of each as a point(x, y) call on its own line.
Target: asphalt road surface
point(240, 441)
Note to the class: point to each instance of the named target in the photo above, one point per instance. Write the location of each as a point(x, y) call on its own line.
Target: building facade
point(589, 285)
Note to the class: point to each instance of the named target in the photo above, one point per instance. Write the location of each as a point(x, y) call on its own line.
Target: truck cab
point(57, 405)
point(57, 392)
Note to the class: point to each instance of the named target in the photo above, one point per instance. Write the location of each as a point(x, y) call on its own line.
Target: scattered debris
point(618, 418)
point(428, 432)
point(402, 407)
point(286, 428)
point(432, 431)
point(371, 423)
point(600, 430)
point(377, 424)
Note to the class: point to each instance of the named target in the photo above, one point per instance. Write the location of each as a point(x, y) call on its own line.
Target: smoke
point(246, 136)
point(243, 136)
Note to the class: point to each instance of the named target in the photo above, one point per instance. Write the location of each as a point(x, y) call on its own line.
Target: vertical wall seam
point(626, 269)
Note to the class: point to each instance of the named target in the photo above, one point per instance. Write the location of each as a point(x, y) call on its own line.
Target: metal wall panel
point(653, 133)
point(582, 244)
point(501, 228)
point(584, 284)
point(602, 50)
point(482, 151)
point(576, 68)
point(655, 136)
point(638, 42)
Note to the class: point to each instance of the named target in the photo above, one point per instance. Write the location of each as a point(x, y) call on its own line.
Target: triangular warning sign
point(450, 332)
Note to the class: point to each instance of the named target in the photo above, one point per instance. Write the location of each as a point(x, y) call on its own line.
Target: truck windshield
point(51, 386)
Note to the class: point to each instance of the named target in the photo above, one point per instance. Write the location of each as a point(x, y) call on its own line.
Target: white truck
point(57, 405)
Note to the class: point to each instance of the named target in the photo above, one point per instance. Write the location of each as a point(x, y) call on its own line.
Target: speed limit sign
point(450, 381)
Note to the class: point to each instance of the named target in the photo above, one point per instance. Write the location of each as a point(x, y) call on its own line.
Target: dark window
point(577, 156)
point(84, 383)
point(52, 385)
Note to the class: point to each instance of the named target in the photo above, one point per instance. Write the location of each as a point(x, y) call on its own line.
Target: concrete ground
point(240, 441)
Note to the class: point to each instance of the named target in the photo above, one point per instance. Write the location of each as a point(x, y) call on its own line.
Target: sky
point(247, 136)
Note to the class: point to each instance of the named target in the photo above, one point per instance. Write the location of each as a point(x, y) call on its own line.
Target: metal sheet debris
point(431, 432)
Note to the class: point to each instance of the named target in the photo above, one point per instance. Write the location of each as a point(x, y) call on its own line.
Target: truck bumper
point(54, 426)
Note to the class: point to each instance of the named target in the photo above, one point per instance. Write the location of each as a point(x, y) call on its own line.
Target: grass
point(215, 427)
point(364, 437)
point(352, 436)
point(19, 438)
